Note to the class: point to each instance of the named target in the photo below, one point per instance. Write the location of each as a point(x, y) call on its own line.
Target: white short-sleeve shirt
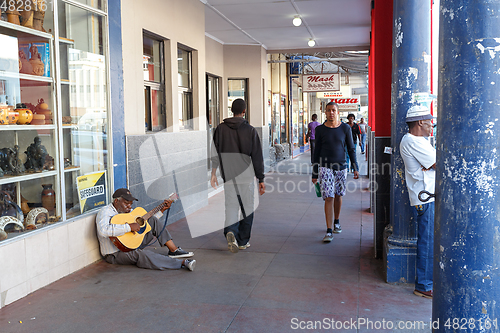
point(417, 152)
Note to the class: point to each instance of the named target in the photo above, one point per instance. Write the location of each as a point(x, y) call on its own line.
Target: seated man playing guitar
point(107, 232)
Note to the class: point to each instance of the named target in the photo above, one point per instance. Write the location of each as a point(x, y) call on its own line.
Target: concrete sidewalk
point(285, 279)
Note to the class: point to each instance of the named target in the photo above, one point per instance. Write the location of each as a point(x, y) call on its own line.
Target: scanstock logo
point(345, 100)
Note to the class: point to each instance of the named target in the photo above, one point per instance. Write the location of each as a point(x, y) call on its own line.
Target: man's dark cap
point(124, 193)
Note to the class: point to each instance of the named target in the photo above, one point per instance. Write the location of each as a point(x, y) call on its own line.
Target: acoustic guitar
point(132, 240)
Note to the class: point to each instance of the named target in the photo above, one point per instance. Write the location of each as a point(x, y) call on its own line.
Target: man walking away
point(239, 156)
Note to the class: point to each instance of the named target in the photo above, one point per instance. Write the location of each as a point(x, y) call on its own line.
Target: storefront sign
point(347, 104)
point(321, 82)
point(344, 92)
point(92, 190)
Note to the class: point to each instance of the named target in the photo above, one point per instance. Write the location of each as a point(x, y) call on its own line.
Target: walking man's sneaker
point(426, 294)
point(328, 237)
point(189, 264)
point(337, 229)
point(244, 247)
point(232, 244)
point(180, 253)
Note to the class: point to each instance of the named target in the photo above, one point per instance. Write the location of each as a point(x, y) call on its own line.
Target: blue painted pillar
point(410, 80)
point(117, 99)
point(467, 226)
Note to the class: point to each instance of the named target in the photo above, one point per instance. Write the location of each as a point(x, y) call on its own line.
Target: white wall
point(243, 61)
point(45, 256)
point(178, 22)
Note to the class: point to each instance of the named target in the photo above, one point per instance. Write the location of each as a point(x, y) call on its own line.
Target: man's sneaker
point(232, 244)
point(243, 247)
point(328, 237)
point(180, 253)
point(189, 264)
point(426, 294)
point(337, 229)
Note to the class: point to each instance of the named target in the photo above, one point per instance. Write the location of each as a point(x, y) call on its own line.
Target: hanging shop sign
point(92, 190)
point(321, 82)
point(347, 104)
point(344, 92)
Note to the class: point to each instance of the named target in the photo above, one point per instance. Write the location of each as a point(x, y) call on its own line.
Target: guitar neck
point(155, 210)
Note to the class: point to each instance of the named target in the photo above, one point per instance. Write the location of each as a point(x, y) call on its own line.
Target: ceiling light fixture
point(297, 21)
point(311, 42)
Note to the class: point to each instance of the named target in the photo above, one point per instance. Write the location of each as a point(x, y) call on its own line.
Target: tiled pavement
point(287, 279)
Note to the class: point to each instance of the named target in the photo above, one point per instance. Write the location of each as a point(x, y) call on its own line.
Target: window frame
point(186, 92)
point(151, 86)
point(246, 95)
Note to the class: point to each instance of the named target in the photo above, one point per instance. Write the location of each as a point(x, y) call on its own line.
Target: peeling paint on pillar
point(467, 224)
point(411, 73)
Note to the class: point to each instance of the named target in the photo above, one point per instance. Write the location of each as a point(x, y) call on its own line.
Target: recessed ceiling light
point(297, 21)
point(311, 42)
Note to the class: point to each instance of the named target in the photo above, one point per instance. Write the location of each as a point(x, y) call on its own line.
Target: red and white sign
point(347, 104)
point(330, 94)
point(341, 101)
point(321, 82)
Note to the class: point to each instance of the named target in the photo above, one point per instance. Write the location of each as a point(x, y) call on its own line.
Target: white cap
point(418, 112)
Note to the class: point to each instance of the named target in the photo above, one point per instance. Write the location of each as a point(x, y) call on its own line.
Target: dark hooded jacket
point(237, 146)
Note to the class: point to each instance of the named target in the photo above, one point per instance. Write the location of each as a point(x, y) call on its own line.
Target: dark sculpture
point(10, 162)
point(8, 206)
point(36, 154)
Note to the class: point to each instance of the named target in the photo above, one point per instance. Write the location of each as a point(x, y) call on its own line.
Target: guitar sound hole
point(139, 221)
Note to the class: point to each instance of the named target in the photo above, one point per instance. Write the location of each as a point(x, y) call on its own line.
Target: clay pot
point(25, 114)
point(4, 114)
point(27, 15)
point(48, 197)
point(43, 109)
point(13, 17)
point(13, 115)
point(39, 16)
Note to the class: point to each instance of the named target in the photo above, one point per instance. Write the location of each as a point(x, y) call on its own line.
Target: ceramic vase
point(48, 197)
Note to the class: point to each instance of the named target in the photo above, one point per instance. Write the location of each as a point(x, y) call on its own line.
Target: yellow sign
point(92, 191)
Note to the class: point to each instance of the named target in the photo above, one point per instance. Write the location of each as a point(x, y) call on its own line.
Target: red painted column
point(379, 97)
point(380, 70)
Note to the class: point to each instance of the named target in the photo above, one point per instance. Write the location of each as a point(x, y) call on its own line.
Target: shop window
point(237, 88)
point(97, 4)
point(53, 135)
point(154, 83)
point(213, 110)
point(185, 88)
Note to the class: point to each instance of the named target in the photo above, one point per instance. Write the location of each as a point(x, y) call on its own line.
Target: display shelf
point(70, 126)
point(66, 41)
point(26, 127)
point(71, 169)
point(7, 179)
point(11, 75)
point(25, 30)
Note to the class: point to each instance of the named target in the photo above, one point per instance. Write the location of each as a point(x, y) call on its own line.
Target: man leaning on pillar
point(419, 157)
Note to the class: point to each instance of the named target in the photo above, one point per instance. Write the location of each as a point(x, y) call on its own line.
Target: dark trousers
point(312, 144)
point(239, 225)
